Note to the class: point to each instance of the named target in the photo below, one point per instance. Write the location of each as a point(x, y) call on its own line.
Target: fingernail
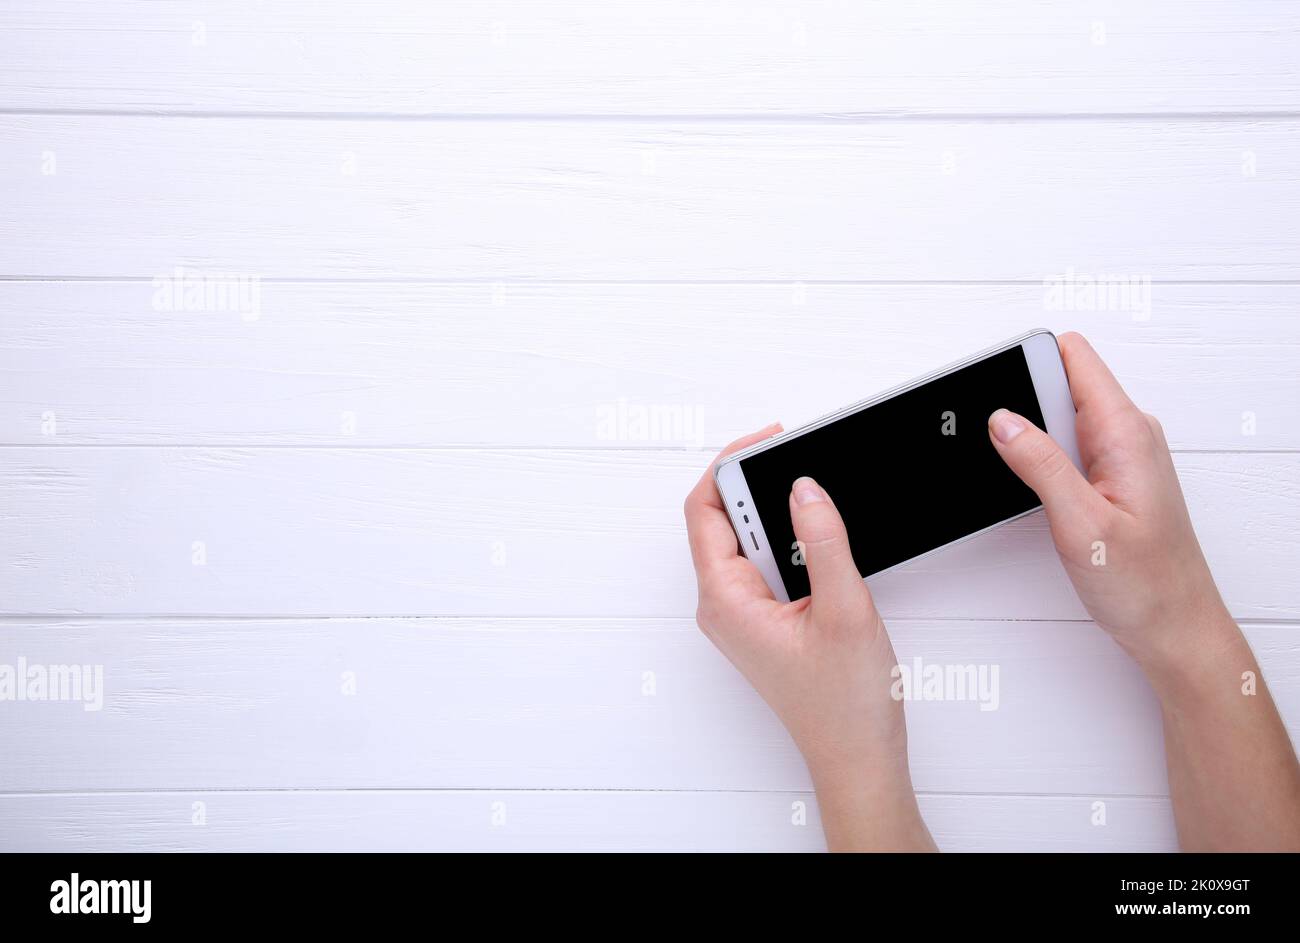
point(770, 428)
point(1006, 425)
point(807, 491)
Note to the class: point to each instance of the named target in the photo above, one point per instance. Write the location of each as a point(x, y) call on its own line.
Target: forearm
point(870, 808)
point(1233, 775)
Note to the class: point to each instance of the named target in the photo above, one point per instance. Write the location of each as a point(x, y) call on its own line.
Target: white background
point(481, 228)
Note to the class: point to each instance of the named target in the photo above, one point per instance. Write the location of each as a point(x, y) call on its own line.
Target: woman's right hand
point(1122, 532)
point(1127, 542)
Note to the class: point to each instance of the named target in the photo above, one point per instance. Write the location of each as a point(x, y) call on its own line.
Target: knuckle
point(1048, 462)
point(822, 533)
point(1135, 422)
point(1103, 527)
point(836, 613)
point(821, 538)
point(705, 613)
point(850, 611)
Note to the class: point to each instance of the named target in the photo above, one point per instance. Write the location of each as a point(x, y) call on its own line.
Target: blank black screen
point(909, 474)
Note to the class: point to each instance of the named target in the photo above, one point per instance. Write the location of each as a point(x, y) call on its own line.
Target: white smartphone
point(911, 471)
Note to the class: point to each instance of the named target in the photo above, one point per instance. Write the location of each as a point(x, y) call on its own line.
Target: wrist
point(881, 774)
point(874, 763)
point(870, 807)
point(1192, 649)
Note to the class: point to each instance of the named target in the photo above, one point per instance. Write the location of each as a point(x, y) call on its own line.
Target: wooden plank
point(679, 56)
point(592, 366)
point(497, 532)
point(321, 820)
point(495, 201)
point(558, 704)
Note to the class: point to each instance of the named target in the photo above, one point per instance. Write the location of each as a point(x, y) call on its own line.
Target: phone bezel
point(1051, 386)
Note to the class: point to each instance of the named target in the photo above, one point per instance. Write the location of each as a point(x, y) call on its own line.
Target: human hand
point(1122, 532)
point(1125, 538)
point(822, 663)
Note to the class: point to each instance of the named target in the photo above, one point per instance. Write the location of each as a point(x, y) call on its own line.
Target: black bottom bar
point(336, 892)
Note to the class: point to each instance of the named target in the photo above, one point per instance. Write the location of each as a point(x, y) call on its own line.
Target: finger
point(1092, 385)
point(1042, 464)
point(708, 528)
point(836, 583)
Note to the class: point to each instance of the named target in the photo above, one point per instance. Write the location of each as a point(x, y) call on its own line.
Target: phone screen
point(909, 474)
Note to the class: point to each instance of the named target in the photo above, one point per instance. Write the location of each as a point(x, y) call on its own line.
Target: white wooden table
point(358, 511)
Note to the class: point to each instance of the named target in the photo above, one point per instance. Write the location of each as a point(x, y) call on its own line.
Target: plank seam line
point(473, 790)
point(640, 282)
point(847, 118)
point(12, 618)
point(649, 450)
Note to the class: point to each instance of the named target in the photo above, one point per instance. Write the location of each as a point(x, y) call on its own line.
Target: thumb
point(836, 582)
point(1041, 464)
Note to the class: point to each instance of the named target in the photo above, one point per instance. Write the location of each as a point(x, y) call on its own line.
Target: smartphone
point(911, 471)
